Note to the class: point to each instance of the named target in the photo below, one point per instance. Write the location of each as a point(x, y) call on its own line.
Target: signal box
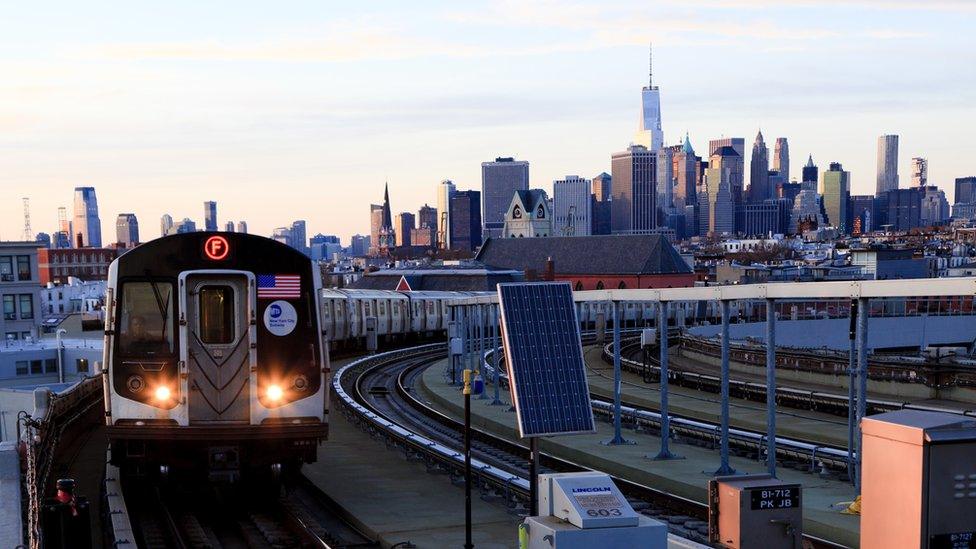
point(747, 511)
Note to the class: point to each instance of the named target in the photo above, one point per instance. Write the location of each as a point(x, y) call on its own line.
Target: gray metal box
point(553, 533)
point(746, 511)
point(918, 485)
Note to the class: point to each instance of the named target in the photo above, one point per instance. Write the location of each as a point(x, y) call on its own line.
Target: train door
point(216, 351)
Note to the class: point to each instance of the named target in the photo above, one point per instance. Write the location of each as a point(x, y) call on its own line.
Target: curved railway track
point(377, 392)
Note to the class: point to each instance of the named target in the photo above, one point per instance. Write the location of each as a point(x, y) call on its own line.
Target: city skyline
point(159, 122)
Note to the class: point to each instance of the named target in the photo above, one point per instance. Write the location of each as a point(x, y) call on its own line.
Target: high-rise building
point(736, 163)
point(649, 132)
point(665, 183)
point(466, 224)
point(781, 158)
point(210, 215)
point(298, 236)
point(836, 191)
point(375, 227)
point(719, 203)
point(229, 227)
point(242, 227)
point(185, 226)
point(934, 209)
point(359, 245)
point(572, 206)
point(965, 190)
point(633, 207)
point(759, 171)
point(444, 192)
point(902, 208)
point(87, 226)
point(283, 235)
point(760, 219)
point(920, 172)
point(600, 204)
point(887, 163)
point(403, 225)
point(43, 238)
point(686, 175)
point(127, 230)
point(601, 187)
point(861, 213)
point(809, 174)
point(427, 217)
point(165, 225)
point(499, 181)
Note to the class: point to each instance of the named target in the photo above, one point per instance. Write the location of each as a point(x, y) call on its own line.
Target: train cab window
point(216, 315)
point(146, 318)
point(382, 308)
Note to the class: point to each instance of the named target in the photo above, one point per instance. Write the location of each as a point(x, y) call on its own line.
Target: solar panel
point(547, 377)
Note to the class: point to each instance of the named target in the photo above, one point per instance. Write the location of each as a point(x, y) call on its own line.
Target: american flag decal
point(276, 286)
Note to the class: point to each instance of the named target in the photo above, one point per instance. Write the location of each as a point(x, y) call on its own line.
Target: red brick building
point(593, 262)
point(57, 264)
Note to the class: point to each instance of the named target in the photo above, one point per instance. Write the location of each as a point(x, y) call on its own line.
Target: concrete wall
point(887, 332)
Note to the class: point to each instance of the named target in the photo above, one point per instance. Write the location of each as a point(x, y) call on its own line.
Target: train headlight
point(162, 393)
point(274, 393)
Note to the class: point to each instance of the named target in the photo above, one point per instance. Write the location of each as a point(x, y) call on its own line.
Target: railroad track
point(377, 392)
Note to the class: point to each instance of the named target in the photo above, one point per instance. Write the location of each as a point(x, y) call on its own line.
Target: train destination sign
point(780, 497)
point(216, 248)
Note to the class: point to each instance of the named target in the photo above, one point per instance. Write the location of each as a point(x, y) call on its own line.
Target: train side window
point(146, 318)
point(382, 308)
point(216, 318)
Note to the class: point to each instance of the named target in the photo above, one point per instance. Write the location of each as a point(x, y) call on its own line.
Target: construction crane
point(28, 233)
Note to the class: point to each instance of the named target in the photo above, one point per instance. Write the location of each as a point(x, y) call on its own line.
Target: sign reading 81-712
point(779, 497)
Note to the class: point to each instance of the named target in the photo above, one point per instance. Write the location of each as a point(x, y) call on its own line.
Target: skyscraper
point(934, 207)
point(427, 217)
point(634, 189)
point(649, 132)
point(572, 206)
point(920, 172)
point(210, 215)
point(499, 181)
point(965, 190)
point(809, 180)
point(127, 230)
point(686, 174)
point(86, 225)
point(736, 165)
point(229, 227)
point(720, 205)
point(665, 182)
point(600, 204)
point(836, 191)
point(466, 220)
point(283, 235)
point(242, 227)
point(298, 236)
point(444, 192)
point(887, 163)
point(165, 225)
point(601, 186)
point(781, 159)
point(403, 226)
point(759, 170)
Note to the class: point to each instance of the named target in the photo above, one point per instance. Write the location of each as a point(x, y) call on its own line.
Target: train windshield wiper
point(163, 309)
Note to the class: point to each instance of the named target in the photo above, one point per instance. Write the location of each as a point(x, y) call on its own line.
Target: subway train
point(214, 357)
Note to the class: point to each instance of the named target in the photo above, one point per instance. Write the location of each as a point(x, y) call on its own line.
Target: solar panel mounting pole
point(725, 468)
point(771, 387)
point(862, 382)
point(662, 326)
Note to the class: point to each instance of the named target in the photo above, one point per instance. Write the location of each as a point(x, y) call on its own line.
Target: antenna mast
point(28, 233)
point(650, 65)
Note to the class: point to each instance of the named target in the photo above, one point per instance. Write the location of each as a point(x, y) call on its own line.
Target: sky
point(302, 110)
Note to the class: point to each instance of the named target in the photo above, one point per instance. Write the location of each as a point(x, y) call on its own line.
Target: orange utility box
point(746, 511)
point(918, 481)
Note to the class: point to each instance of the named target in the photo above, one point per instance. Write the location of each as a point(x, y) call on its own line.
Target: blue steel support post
point(482, 346)
point(771, 386)
point(617, 437)
point(662, 328)
point(472, 337)
point(496, 345)
point(725, 468)
point(862, 382)
point(851, 388)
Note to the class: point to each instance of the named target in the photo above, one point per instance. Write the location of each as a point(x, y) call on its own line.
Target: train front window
point(216, 314)
point(147, 312)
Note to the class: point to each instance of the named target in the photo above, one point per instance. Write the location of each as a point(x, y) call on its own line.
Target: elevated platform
point(685, 477)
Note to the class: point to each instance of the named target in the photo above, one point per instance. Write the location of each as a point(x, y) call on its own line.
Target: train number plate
point(781, 497)
point(959, 540)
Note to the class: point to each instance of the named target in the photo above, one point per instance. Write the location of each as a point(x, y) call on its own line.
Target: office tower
point(466, 223)
point(934, 209)
point(229, 227)
point(298, 240)
point(649, 132)
point(427, 217)
point(760, 219)
point(788, 191)
point(600, 204)
point(776, 182)
point(665, 183)
point(920, 172)
point(601, 187)
point(210, 215)
point(242, 227)
point(185, 226)
point(720, 205)
point(572, 206)
point(887, 163)
point(902, 208)
point(736, 162)
point(499, 181)
point(444, 192)
point(759, 170)
point(127, 230)
point(809, 180)
point(781, 158)
point(283, 235)
point(359, 245)
point(43, 238)
point(861, 213)
point(403, 227)
point(633, 179)
point(165, 225)
point(686, 175)
point(836, 191)
point(86, 225)
point(375, 227)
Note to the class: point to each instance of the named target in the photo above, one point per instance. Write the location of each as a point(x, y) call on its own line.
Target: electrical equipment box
point(648, 337)
point(754, 511)
point(918, 480)
point(586, 510)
